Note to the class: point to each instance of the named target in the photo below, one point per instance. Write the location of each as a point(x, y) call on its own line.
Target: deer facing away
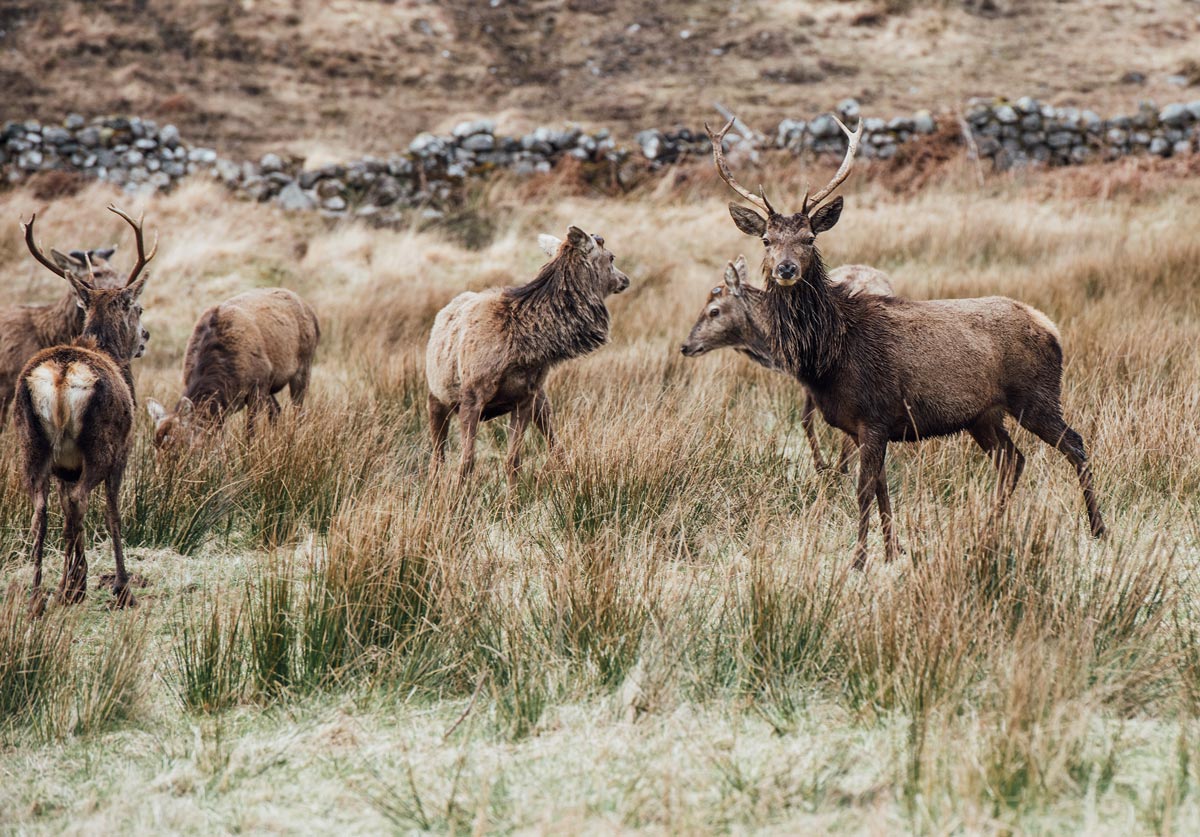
point(240, 354)
point(26, 329)
point(887, 369)
point(734, 317)
point(74, 418)
point(489, 353)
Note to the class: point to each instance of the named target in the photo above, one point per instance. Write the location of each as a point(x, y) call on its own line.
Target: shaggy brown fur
point(886, 369)
point(489, 353)
point(889, 369)
point(240, 354)
point(74, 416)
point(735, 314)
point(26, 329)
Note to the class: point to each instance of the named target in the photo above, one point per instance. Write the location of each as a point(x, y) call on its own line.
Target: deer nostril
point(786, 270)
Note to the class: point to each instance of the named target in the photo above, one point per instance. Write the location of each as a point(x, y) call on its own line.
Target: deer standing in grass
point(74, 418)
point(240, 354)
point(27, 329)
point(489, 353)
point(734, 316)
point(887, 369)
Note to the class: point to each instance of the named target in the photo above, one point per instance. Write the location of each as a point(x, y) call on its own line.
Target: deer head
point(609, 279)
point(727, 319)
point(790, 240)
point(112, 313)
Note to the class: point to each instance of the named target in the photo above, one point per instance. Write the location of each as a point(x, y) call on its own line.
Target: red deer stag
point(74, 417)
point(734, 317)
point(240, 354)
point(489, 353)
point(27, 329)
point(887, 369)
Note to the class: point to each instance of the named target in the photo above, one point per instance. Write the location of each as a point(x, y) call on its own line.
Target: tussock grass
point(664, 632)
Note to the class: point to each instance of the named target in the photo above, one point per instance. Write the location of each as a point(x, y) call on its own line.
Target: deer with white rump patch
point(888, 369)
point(74, 417)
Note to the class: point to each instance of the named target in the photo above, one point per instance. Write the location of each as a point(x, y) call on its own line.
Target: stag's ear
point(157, 411)
point(733, 277)
point(106, 253)
point(184, 407)
point(747, 220)
point(75, 261)
point(580, 240)
point(549, 244)
point(132, 292)
point(825, 217)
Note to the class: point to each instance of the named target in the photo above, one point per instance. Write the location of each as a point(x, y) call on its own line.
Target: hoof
point(37, 603)
point(73, 591)
point(122, 599)
point(1100, 532)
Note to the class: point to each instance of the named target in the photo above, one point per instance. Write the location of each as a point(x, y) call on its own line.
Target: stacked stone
point(1025, 131)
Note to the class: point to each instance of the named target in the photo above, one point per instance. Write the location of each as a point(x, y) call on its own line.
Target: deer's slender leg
point(516, 432)
point(37, 535)
point(298, 386)
point(872, 448)
point(73, 586)
point(273, 408)
point(1007, 458)
point(810, 432)
point(891, 543)
point(543, 420)
point(849, 448)
point(252, 407)
point(469, 413)
point(1050, 428)
point(439, 428)
point(112, 516)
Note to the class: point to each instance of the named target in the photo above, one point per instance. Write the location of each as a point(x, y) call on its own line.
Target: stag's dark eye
point(766, 241)
point(714, 312)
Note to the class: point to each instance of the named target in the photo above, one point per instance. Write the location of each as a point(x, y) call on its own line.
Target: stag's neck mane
point(559, 315)
point(757, 346)
point(210, 375)
point(805, 322)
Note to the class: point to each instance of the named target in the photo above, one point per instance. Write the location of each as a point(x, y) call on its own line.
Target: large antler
point(142, 259)
point(37, 254)
point(843, 172)
point(759, 200)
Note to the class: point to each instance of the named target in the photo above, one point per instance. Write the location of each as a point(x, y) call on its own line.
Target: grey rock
point(873, 125)
point(74, 122)
point(153, 164)
point(1091, 121)
point(1194, 110)
point(138, 174)
point(132, 157)
point(1175, 115)
point(202, 155)
point(329, 188)
point(1081, 154)
point(650, 142)
point(169, 136)
point(456, 170)
point(1027, 105)
point(824, 127)
point(1040, 153)
point(145, 144)
point(89, 137)
point(1061, 139)
point(1006, 115)
point(1160, 146)
point(56, 136)
point(479, 142)
point(175, 168)
point(160, 180)
point(270, 163)
point(923, 122)
point(334, 204)
point(1031, 122)
point(848, 109)
point(228, 171)
point(291, 197)
point(475, 126)
point(886, 152)
point(1140, 138)
point(30, 160)
point(1181, 147)
point(1117, 136)
point(425, 144)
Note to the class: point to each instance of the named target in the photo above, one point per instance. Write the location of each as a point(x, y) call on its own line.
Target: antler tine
point(37, 254)
point(143, 259)
point(723, 168)
point(844, 170)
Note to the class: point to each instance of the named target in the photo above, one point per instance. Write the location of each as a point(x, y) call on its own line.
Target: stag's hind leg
point(891, 545)
point(298, 387)
point(849, 448)
point(1048, 425)
point(112, 516)
point(991, 436)
point(543, 420)
point(439, 429)
point(470, 413)
point(872, 451)
point(72, 589)
point(40, 492)
point(516, 432)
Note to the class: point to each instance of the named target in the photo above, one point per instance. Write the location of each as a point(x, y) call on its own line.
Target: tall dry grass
point(686, 556)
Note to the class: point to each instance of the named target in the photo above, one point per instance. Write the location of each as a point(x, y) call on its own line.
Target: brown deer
point(74, 417)
point(888, 369)
point(27, 329)
point(489, 353)
point(240, 354)
point(734, 317)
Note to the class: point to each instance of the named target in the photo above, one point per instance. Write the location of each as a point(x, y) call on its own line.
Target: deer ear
point(549, 244)
point(105, 253)
point(825, 217)
point(747, 220)
point(76, 260)
point(157, 411)
point(732, 280)
point(580, 240)
point(184, 407)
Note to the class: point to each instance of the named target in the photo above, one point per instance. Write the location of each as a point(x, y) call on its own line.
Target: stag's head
point(112, 311)
point(790, 240)
point(601, 269)
point(727, 319)
point(175, 428)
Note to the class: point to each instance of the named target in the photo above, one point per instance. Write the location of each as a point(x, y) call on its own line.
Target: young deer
point(489, 353)
point(887, 369)
point(734, 316)
point(27, 329)
point(74, 417)
point(240, 354)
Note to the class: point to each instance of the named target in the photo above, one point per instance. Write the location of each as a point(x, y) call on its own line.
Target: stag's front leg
point(543, 420)
point(871, 450)
point(112, 515)
point(892, 547)
point(37, 536)
point(439, 428)
point(469, 413)
point(516, 432)
point(810, 432)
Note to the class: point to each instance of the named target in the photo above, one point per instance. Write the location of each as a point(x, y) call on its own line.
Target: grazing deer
point(734, 316)
point(27, 329)
point(74, 417)
point(489, 352)
point(240, 354)
point(887, 369)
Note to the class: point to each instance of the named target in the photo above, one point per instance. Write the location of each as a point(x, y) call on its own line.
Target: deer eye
point(714, 312)
point(766, 241)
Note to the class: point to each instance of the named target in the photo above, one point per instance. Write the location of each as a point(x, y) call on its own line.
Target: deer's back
point(468, 341)
point(27, 329)
point(862, 279)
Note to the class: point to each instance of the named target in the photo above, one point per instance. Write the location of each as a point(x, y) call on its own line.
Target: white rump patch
point(60, 399)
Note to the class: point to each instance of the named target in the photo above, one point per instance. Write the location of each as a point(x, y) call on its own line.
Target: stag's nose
point(786, 271)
